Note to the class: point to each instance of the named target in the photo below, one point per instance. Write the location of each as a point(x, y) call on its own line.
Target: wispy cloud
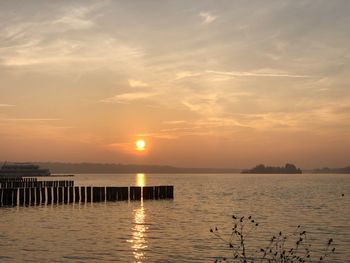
point(76, 19)
point(128, 97)
point(187, 74)
point(26, 43)
point(259, 73)
point(175, 122)
point(31, 119)
point(6, 105)
point(207, 17)
point(137, 83)
point(271, 73)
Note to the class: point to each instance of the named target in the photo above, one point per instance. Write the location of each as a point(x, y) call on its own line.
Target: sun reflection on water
point(140, 179)
point(138, 240)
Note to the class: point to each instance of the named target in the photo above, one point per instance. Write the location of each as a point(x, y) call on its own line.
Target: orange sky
point(204, 83)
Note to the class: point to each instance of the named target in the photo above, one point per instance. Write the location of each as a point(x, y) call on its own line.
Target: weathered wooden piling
point(30, 191)
point(49, 195)
point(21, 196)
point(111, 194)
point(170, 192)
point(65, 195)
point(76, 194)
point(5, 198)
point(148, 192)
point(103, 194)
point(54, 195)
point(26, 196)
point(135, 193)
point(37, 195)
point(82, 194)
point(8, 197)
point(161, 192)
point(60, 195)
point(43, 195)
point(70, 194)
point(88, 194)
point(117, 193)
point(98, 194)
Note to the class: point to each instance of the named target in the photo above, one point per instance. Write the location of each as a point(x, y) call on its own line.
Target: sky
point(204, 83)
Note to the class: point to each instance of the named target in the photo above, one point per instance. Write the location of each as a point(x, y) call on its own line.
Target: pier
point(31, 192)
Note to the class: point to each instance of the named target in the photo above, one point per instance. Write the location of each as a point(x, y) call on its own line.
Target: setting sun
point(140, 145)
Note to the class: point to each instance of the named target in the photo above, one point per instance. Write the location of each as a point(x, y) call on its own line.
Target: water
point(178, 230)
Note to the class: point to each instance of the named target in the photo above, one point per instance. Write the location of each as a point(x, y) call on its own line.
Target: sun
point(140, 145)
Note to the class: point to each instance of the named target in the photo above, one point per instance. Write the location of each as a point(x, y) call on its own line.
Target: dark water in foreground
point(178, 230)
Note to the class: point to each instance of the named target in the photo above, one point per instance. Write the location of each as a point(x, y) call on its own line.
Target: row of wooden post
point(58, 195)
point(34, 184)
point(4, 179)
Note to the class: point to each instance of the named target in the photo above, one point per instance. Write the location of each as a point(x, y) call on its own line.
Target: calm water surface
point(178, 230)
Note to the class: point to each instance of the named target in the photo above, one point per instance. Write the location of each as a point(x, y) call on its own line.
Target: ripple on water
point(178, 230)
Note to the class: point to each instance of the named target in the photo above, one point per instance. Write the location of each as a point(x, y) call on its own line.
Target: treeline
point(262, 169)
point(74, 168)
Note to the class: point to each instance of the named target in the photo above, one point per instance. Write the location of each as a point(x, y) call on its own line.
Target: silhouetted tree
point(281, 248)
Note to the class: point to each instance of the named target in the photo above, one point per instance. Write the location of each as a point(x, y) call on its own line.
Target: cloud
point(159, 135)
point(76, 19)
point(174, 122)
point(128, 97)
point(186, 74)
point(30, 119)
point(57, 41)
point(258, 73)
point(6, 105)
point(100, 51)
point(207, 17)
point(136, 83)
point(271, 73)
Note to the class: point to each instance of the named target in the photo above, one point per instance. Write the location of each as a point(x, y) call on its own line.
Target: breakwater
point(30, 192)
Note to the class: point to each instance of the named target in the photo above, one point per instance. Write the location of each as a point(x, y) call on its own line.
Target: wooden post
point(21, 196)
point(76, 194)
point(111, 194)
point(65, 194)
point(96, 194)
point(54, 195)
point(82, 194)
point(148, 192)
point(70, 191)
point(16, 196)
point(26, 196)
point(103, 194)
point(123, 193)
point(49, 195)
point(88, 194)
point(37, 195)
point(135, 193)
point(32, 196)
point(170, 191)
point(1, 196)
point(156, 192)
point(6, 199)
point(43, 195)
point(60, 194)
point(162, 192)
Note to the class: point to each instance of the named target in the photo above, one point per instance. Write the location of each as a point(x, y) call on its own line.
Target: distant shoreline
point(60, 169)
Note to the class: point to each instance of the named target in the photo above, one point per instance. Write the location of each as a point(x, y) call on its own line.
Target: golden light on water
point(140, 179)
point(138, 240)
